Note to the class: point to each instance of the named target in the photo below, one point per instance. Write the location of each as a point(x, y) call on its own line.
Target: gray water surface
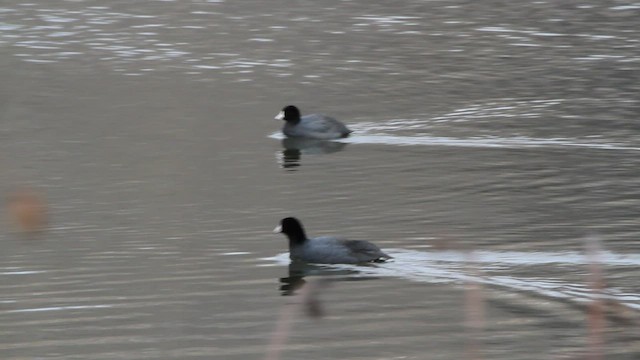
point(502, 134)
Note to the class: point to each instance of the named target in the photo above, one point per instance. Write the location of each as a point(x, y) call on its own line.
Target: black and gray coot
point(327, 249)
point(313, 126)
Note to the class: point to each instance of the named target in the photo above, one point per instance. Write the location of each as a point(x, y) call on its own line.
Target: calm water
point(506, 128)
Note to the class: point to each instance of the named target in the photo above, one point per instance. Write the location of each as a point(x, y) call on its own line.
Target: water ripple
point(449, 267)
point(149, 39)
point(511, 143)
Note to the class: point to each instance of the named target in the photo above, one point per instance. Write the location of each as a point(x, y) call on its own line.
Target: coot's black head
point(293, 229)
point(290, 114)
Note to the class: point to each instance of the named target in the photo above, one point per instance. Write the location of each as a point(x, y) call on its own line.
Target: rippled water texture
point(493, 143)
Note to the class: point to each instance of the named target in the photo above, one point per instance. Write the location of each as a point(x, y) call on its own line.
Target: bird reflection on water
point(298, 270)
point(293, 148)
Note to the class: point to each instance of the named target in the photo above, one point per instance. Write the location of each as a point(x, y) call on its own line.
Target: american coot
point(314, 126)
point(327, 249)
